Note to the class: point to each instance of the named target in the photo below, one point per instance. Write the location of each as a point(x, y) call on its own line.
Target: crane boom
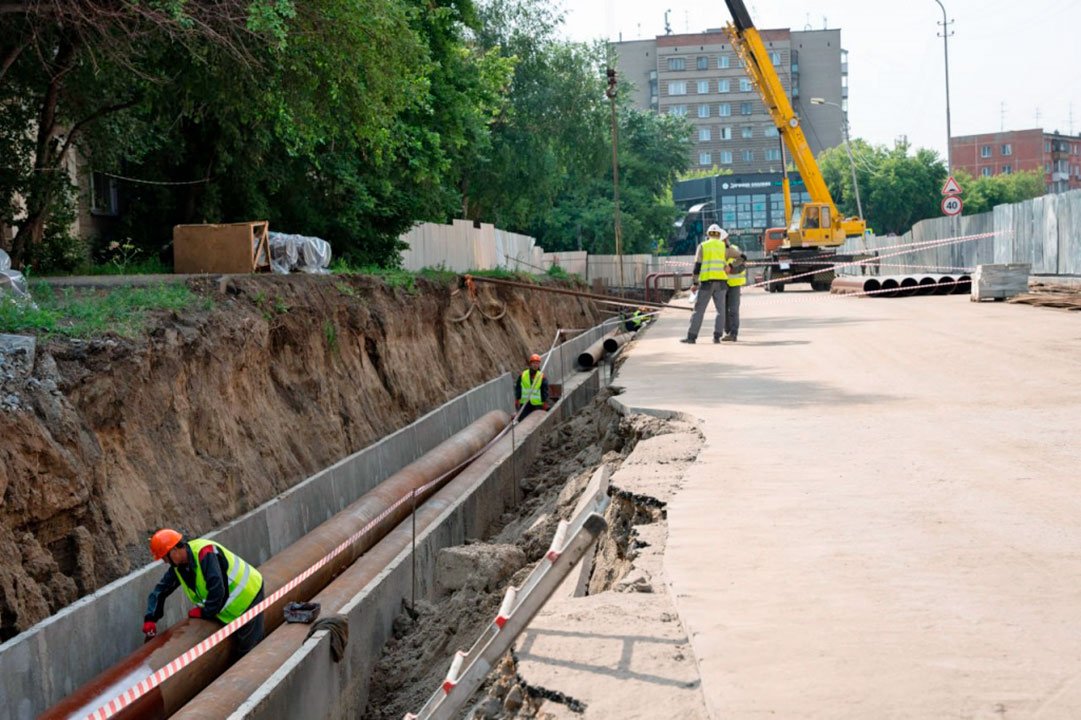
point(748, 44)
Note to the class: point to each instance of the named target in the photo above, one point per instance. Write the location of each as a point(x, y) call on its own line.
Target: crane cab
point(816, 227)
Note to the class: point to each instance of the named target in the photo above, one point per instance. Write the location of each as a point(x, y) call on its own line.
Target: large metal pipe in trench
point(615, 342)
point(594, 353)
point(228, 692)
point(179, 688)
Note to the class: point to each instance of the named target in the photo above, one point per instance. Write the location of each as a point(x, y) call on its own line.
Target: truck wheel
point(820, 286)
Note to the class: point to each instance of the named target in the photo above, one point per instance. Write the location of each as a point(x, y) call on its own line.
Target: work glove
point(517, 404)
point(150, 629)
point(196, 613)
point(544, 407)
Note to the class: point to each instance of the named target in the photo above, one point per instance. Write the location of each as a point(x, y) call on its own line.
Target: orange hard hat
point(534, 358)
point(163, 541)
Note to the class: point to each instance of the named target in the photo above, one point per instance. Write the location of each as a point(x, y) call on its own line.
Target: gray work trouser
point(731, 311)
point(715, 289)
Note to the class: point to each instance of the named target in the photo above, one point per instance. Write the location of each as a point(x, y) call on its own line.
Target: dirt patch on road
point(212, 413)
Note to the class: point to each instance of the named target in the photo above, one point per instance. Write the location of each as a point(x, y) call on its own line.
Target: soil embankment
point(211, 414)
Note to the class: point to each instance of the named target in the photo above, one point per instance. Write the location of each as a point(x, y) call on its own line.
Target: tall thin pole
point(852, 165)
point(946, 32)
point(611, 93)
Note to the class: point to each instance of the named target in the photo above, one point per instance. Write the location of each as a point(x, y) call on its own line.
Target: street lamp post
point(848, 149)
point(946, 51)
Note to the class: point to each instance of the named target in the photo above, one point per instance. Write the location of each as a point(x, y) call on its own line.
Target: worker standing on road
point(710, 262)
point(531, 390)
point(221, 585)
point(737, 278)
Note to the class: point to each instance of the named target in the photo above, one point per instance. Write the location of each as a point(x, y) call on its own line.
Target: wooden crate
point(232, 248)
point(998, 282)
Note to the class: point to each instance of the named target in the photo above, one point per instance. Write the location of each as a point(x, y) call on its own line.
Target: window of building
point(723, 85)
point(680, 110)
point(705, 134)
point(986, 172)
point(1006, 169)
point(773, 155)
point(726, 133)
point(744, 85)
point(745, 108)
point(724, 110)
point(702, 62)
point(1047, 167)
point(704, 158)
point(722, 62)
point(985, 151)
point(726, 157)
point(748, 156)
point(1047, 146)
point(703, 87)
point(728, 211)
point(703, 111)
point(775, 58)
point(1007, 149)
point(747, 132)
point(771, 131)
point(677, 64)
point(758, 211)
point(104, 195)
point(677, 87)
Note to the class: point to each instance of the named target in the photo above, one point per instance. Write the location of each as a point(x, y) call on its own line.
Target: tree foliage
point(347, 119)
point(898, 188)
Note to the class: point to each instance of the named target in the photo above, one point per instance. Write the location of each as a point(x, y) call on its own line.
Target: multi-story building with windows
point(698, 76)
point(1056, 155)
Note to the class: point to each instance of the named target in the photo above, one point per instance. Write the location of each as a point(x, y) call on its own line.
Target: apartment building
point(698, 76)
point(1056, 155)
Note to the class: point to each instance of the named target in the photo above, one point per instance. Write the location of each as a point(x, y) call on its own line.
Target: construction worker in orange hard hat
point(221, 585)
point(531, 390)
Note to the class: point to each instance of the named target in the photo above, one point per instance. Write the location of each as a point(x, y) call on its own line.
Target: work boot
point(728, 338)
point(716, 338)
point(689, 340)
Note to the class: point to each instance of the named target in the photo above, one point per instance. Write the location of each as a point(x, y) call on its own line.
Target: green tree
point(982, 194)
point(898, 188)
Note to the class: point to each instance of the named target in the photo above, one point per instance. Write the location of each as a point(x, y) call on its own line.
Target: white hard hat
point(714, 228)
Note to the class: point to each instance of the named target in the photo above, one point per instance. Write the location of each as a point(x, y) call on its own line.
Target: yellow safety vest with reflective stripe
point(714, 260)
point(242, 582)
point(531, 393)
point(736, 279)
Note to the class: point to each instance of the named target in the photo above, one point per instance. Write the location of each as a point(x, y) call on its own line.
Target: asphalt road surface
point(886, 519)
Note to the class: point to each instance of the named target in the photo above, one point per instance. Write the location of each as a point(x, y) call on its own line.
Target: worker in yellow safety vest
point(220, 584)
point(710, 281)
point(531, 390)
point(737, 278)
point(636, 320)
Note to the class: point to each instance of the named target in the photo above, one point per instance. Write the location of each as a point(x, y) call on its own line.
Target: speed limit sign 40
point(952, 205)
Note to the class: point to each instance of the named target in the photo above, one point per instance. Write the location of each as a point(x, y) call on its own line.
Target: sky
point(1009, 60)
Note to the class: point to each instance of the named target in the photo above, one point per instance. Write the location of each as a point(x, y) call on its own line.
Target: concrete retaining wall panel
point(1049, 235)
point(1069, 233)
point(1004, 229)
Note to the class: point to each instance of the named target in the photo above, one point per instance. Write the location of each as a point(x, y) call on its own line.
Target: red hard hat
point(163, 541)
point(534, 358)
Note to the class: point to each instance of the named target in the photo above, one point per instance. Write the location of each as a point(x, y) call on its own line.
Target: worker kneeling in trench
point(220, 584)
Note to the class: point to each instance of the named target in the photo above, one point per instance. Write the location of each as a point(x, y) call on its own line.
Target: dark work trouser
point(731, 311)
point(251, 632)
point(707, 289)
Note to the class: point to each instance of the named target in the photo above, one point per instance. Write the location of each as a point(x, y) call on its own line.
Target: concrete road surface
point(886, 519)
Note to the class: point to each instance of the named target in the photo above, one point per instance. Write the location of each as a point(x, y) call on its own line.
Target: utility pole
point(611, 93)
point(945, 34)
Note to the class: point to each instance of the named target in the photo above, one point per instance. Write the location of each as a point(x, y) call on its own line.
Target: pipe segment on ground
point(229, 691)
point(889, 287)
point(908, 287)
point(963, 286)
point(927, 285)
point(615, 342)
point(859, 284)
point(945, 285)
point(594, 353)
point(180, 687)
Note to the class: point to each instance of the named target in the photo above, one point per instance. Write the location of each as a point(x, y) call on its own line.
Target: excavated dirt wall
point(212, 413)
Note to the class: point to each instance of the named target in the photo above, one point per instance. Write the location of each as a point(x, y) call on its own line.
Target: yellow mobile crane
point(808, 243)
